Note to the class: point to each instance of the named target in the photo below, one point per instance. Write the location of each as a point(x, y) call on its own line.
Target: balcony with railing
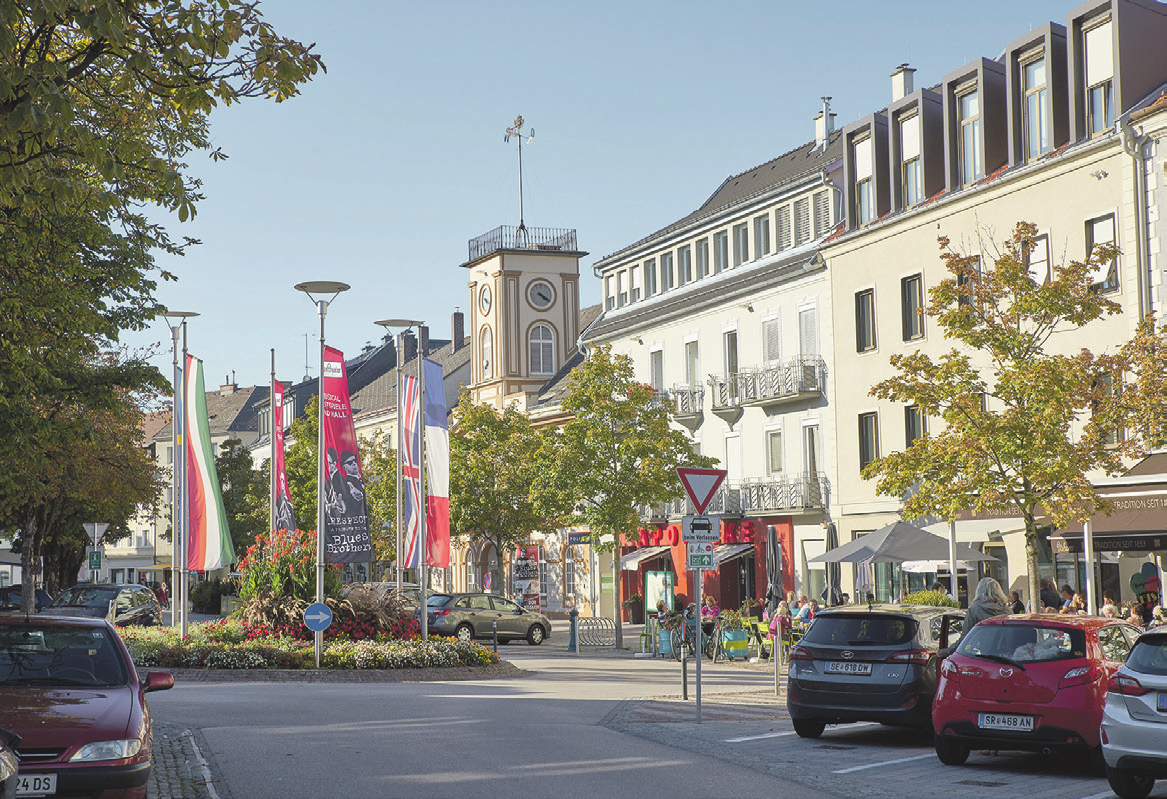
point(687, 402)
point(791, 493)
point(509, 237)
point(797, 379)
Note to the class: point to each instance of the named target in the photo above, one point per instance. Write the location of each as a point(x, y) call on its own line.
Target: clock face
point(484, 299)
point(540, 294)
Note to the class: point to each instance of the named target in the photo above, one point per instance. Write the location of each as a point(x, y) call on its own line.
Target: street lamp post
point(408, 324)
point(310, 288)
point(176, 321)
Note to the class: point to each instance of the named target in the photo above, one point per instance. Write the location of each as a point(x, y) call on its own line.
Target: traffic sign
point(695, 529)
point(317, 617)
point(95, 560)
point(700, 556)
point(700, 484)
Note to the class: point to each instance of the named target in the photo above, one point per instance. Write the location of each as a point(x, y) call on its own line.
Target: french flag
point(437, 462)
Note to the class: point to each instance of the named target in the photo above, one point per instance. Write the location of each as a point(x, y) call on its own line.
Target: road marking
point(782, 734)
point(1103, 795)
point(884, 763)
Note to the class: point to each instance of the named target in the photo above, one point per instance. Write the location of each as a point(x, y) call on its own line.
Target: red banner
point(346, 520)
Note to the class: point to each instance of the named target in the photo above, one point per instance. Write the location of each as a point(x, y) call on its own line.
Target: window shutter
point(771, 351)
point(808, 333)
point(783, 228)
point(801, 221)
point(822, 213)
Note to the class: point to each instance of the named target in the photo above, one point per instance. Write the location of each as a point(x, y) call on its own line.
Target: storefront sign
point(659, 536)
point(578, 538)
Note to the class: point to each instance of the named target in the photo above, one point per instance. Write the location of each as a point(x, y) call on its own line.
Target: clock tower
point(524, 319)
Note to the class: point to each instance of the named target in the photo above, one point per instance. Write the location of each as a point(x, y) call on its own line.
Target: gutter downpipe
point(1132, 145)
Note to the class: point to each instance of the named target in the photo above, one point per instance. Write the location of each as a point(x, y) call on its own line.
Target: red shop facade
point(739, 558)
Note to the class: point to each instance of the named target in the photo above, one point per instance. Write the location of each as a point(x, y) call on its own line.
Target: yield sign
point(700, 484)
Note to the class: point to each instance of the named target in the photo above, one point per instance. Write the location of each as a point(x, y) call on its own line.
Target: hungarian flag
point(284, 517)
point(346, 515)
point(409, 434)
point(208, 543)
point(437, 469)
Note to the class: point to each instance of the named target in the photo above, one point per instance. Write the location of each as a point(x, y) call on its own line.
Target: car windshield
point(1023, 643)
point(859, 629)
point(58, 655)
point(1149, 655)
point(86, 597)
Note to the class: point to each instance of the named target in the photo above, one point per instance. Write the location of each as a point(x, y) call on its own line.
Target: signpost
point(317, 617)
point(700, 486)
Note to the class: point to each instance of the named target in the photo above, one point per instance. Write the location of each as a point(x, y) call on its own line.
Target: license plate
point(36, 784)
point(1162, 701)
point(847, 667)
point(994, 721)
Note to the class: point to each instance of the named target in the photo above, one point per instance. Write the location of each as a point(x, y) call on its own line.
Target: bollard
point(573, 637)
point(494, 629)
point(684, 675)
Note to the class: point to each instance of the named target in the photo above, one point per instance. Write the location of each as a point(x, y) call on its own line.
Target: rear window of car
point(89, 597)
point(859, 629)
point(1149, 655)
point(1024, 643)
point(439, 600)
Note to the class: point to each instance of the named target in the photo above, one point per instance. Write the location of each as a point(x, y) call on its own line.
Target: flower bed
point(229, 644)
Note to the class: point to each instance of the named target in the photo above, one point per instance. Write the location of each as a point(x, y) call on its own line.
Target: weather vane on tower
point(517, 132)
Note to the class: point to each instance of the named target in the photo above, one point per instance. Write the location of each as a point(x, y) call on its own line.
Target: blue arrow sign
point(317, 617)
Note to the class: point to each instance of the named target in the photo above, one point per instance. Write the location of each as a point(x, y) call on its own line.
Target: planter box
point(735, 643)
point(664, 642)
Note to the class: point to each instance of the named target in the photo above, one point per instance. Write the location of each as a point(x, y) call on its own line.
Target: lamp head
point(332, 287)
point(400, 323)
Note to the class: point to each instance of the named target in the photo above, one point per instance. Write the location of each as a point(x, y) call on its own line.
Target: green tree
point(620, 451)
point(495, 463)
point(239, 483)
point(1024, 421)
point(300, 464)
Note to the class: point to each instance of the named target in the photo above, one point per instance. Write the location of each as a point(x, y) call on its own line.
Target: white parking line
point(783, 734)
point(1103, 795)
point(883, 763)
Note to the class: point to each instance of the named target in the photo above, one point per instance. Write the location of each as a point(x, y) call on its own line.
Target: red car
point(1032, 682)
point(69, 690)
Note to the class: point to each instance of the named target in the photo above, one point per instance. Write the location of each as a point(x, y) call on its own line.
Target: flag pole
point(272, 460)
point(422, 567)
point(400, 350)
point(184, 572)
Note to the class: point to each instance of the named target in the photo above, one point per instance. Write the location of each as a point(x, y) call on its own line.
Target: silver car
point(469, 616)
point(1134, 719)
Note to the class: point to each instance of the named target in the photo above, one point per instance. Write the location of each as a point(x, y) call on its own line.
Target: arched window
point(487, 353)
point(542, 350)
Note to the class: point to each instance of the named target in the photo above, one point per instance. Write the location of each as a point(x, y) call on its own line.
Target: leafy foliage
point(495, 464)
point(240, 483)
point(937, 599)
point(282, 563)
point(1049, 417)
point(206, 595)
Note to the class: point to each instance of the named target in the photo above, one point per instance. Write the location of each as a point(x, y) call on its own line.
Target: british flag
point(412, 511)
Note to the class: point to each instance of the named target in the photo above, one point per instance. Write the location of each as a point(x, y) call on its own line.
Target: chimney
point(423, 332)
point(824, 125)
point(228, 386)
point(901, 82)
point(458, 330)
point(409, 347)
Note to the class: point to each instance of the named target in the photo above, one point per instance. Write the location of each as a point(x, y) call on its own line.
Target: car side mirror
point(158, 681)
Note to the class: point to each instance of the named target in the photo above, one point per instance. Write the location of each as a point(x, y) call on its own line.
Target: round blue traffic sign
point(317, 617)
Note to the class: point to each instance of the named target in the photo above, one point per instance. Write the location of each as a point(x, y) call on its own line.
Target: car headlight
point(107, 750)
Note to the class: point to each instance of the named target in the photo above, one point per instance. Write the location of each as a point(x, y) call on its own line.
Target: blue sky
point(380, 172)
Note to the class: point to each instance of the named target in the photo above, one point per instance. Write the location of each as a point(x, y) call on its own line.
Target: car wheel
point(464, 632)
point(535, 635)
point(950, 752)
point(809, 728)
point(1128, 783)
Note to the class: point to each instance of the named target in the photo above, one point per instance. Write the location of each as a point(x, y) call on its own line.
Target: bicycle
point(682, 629)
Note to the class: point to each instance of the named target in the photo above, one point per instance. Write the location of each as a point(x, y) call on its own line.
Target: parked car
point(132, 603)
point(469, 616)
point(1034, 682)
point(10, 597)
point(9, 764)
point(69, 690)
point(868, 663)
point(1134, 718)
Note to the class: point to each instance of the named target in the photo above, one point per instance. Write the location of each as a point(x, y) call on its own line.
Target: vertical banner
point(527, 576)
point(437, 469)
point(285, 516)
point(346, 518)
point(409, 434)
point(208, 539)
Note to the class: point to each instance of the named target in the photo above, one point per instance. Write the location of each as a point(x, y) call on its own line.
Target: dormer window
point(666, 271)
point(621, 289)
point(720, 251)
point(1036, 124)
point(911, 173)
point(635, 287)
point(972, 167)
point(685, 264)
point(1099, 59)
point(650, 277)
point(864, 186)
point(741, 244)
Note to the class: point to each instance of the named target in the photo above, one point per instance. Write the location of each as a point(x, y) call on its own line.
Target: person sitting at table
point(709, 614)
point(807, 612)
